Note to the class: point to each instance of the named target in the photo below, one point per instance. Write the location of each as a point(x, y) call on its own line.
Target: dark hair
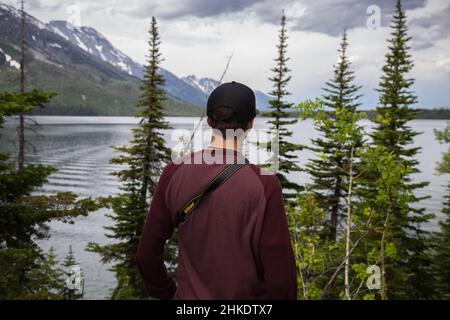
point(223, 119)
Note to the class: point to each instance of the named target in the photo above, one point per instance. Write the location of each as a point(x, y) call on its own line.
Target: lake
point(80, 148)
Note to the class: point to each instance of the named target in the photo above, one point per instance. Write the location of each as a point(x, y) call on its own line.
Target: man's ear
point(250, 124)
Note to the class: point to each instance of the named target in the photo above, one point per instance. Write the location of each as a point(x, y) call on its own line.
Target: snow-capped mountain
point(96, 44)
point(93, 42)
point(65, 46)
point(6, 10)
point(85, 82)
point(207, 86)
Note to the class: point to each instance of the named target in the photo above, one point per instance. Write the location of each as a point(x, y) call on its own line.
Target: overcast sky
point(198, 35)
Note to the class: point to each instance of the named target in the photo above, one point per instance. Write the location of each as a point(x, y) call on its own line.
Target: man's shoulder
point(168, 172)
point(267, 178)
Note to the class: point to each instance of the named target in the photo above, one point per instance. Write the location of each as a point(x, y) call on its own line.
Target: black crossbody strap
point(223, 176)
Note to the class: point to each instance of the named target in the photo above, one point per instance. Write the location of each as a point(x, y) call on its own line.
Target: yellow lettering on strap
point(189, 208)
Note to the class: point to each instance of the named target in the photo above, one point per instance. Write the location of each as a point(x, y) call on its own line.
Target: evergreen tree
point(389, 205)
point(328, 169)
point(347, 135)
point(143, 162)
point(280, 110)
point(442, 253)
point(393, 133)
point(46, 281)
point(442, 238)
point(69, 264)
point(444, 137)
point(25, 271)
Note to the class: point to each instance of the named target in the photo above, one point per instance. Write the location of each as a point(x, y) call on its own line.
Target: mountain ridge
point(86, 84)
point(93, 42)
point(58, 47)
point(207, 86)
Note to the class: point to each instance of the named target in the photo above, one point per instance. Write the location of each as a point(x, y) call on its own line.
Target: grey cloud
point(195, 8)
point(439, 23)
point(39, 4)
point(332, 17)
point(325, 16)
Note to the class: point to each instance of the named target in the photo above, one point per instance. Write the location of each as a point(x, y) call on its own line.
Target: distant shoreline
point(131, 120)
point(422, 114)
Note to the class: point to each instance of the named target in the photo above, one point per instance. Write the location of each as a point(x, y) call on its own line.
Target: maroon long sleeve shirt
point(235, 245)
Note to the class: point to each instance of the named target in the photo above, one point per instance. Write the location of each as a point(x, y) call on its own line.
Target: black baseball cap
point(238, 97)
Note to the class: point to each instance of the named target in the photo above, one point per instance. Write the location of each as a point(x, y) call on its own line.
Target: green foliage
point(335, 118)
point(393, 134)
point(396, 98)
point(436, 113)
point(312, 249)
point(444, 137)
point(27, 273)
point(279, 111)
point(388, 200)
point(24, 102)
point(143, 161)
point(441, 253)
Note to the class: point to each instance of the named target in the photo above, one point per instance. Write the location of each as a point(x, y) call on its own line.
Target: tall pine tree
point(280, 110)
point(328, 169)
point(143, 161)
point(442, 238)
point(442, 253)
point(393, 133)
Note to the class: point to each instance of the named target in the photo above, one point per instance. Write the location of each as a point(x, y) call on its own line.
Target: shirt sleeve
point(277, 257)
point(150, 254)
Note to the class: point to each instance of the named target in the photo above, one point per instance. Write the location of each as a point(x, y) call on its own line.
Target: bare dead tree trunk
point(21, 128)
point(341, 265)
point(382, 258)
point(335, 208)
point(189, 146)
point(349, 228)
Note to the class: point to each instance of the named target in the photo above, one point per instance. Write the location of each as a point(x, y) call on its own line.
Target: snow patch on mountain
point(100, 49)
point(17, 13)
point(81, 44)
point(125, 67)
point(206, 85)
point(13, 63)
point(55, 45)
point(96, 44)
point(10, 9)
point(56, 30)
